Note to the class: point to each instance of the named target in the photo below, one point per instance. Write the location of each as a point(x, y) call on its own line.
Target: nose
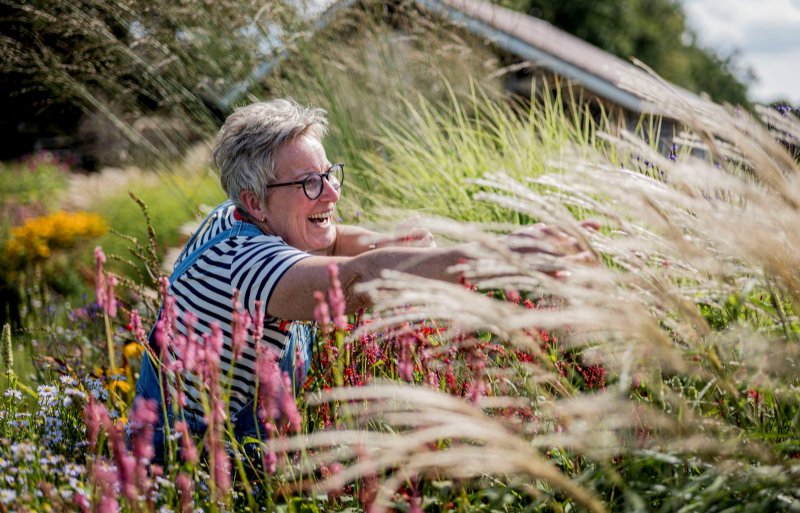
point(329, 193)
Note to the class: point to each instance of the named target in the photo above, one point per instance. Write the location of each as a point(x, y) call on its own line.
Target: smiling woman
point(266, 250)
point(261, 255)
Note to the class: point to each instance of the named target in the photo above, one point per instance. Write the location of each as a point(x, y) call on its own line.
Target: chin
point(323, 242)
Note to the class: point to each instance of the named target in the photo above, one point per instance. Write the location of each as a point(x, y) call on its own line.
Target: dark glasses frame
point(310, 180)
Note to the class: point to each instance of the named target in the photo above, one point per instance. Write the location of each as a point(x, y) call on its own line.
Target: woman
point(272, 243)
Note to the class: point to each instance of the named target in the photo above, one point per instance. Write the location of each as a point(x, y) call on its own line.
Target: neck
point(262, 225)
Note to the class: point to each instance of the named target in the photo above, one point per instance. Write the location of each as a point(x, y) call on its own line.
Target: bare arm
point(354, 240)
point(292, 295)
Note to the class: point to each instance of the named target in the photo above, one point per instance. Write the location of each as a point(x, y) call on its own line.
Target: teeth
point(322, 215)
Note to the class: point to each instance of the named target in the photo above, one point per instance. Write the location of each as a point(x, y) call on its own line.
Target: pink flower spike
point(222, 469)
point(111, 297)
point(241, 328)
point(185, 486)
point(162, 341)
point(214, 350)
point(96, 417)
point(321, 312)
point(299, 366)
point(188, 448)
point(512, 296)
point(405, 364)
point(336, 298)
point(269, 386)
point(99, 276)
point(82, 502)
point(289, 406)
point(106, 481)
point(136, 327)
point(167, 315)
point(142, 422)
point(270, 462)
point(258, 323)
point(99, 256)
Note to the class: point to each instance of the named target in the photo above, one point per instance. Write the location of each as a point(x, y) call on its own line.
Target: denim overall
point(301, 337)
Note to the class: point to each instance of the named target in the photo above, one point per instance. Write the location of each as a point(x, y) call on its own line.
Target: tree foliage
point(123, 58)
point(653, 31)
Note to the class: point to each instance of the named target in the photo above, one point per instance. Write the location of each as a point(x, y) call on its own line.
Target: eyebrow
point(306, 174)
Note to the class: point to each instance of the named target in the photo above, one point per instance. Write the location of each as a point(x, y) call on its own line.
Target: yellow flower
point(133, 350)
point(119, 386)
point(38, 237)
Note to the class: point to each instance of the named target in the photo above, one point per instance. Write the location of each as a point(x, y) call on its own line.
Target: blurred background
point(102, 98)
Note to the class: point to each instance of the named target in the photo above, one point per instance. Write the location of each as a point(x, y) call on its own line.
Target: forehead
point(299, 157)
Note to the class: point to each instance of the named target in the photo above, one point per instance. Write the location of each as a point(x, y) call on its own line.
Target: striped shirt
point(250, 264)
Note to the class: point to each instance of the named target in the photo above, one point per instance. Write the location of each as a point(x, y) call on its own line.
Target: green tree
point(653, 31)
point(120, 59)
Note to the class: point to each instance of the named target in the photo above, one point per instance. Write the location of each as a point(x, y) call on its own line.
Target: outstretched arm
point(354, 240)
point(292, 295)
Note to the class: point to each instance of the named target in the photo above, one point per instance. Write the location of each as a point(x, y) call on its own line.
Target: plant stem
point(110, 340)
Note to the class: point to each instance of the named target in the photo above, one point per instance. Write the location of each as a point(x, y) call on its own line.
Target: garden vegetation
point(661, 373)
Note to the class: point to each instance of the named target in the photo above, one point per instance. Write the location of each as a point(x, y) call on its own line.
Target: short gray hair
point(247, 143)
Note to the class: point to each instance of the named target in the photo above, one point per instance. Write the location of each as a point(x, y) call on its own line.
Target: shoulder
point(261, 248)
point(216, 222)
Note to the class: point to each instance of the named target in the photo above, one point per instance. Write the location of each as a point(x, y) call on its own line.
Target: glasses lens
point(312, 186)
point(336, 176)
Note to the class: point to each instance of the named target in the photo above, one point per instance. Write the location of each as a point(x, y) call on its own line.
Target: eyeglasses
point(312, 184)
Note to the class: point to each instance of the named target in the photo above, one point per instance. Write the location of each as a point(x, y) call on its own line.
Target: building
point(545, 54)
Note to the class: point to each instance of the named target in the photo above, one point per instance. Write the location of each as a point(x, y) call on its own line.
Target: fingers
point(591, 224)
point(419, 237)
point(552, 240)
point(415, 237)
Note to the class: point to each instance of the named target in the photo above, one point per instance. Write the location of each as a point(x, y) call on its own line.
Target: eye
point(313, 179)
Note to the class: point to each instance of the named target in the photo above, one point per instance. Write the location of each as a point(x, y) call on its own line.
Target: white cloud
point(766, 33)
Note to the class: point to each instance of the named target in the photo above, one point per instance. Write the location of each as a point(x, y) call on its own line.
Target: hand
point(551, 240)
point(413, 237)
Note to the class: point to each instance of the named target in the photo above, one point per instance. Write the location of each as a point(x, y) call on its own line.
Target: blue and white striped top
point(251, 264)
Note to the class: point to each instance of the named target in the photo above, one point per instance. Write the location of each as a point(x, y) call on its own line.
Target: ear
point(254, 206)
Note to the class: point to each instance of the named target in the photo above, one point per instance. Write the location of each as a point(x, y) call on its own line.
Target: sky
point(767, 35)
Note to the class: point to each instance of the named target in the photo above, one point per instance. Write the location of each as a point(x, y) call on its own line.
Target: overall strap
point(238, 229)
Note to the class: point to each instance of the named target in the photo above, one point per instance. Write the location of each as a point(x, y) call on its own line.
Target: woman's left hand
point(413, 237)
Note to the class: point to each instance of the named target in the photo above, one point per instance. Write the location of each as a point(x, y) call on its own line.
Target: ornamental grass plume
point(669, 328)
point(420, 418)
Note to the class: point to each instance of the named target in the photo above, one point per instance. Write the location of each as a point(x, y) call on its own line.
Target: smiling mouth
point(321, 218)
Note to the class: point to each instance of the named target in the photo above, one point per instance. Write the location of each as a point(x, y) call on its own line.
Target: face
point(303, 223)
